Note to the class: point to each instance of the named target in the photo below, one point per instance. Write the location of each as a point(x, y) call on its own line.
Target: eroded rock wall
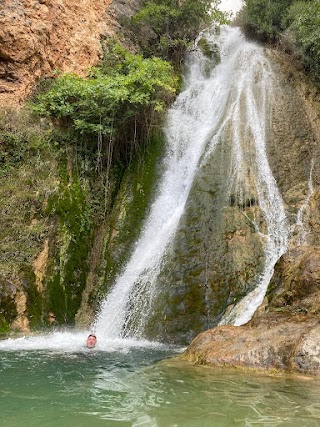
point(284, 332)
point(39, 37)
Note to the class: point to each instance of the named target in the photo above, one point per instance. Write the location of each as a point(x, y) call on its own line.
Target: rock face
point(215, 258)
point(295, 286)
point(291, 345)
point(218, 251)
point(38, 37)
point(285, 331)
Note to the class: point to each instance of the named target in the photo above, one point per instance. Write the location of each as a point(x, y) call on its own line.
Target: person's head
point(91, 341)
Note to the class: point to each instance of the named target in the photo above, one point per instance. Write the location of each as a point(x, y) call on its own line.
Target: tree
point(303, 21)
point(174, 25)
point(126, 87)
point(265, 17)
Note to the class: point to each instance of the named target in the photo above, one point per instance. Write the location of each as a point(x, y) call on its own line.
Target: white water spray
point(253, 88)
point(195, 125)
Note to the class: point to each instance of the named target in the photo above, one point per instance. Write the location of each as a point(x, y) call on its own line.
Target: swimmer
point(91, 341)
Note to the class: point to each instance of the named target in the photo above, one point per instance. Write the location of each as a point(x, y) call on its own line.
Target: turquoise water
point(141, 386)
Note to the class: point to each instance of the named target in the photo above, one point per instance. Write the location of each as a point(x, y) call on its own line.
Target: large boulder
point(280, 343)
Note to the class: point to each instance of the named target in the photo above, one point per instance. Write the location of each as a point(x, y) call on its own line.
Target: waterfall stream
point(236, 94)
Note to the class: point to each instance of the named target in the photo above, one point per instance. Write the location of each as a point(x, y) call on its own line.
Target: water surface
point(139, 385)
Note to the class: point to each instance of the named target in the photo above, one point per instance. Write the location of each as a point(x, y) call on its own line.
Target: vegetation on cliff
point(28, 161)
point(293, 23)
point(118, 102)
point(174, 25)
point(76, 187)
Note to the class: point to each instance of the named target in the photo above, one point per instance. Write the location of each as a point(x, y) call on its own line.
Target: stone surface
point(217, 253)
point(285, 331)
point(282, 344)
point(39, 37)
point(295, 286)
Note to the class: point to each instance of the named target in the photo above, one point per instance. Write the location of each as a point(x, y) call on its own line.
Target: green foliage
point(20, 138)
point(303, 20)
point(69, 267)
point(296, 23)
point(27, 177)
point(125, 88)
point(209, 50)
point(34, 297)
point(175, 24)
point(8, 310)
point(265, 17)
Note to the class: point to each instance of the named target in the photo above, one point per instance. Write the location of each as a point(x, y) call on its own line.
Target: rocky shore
point(277, 343)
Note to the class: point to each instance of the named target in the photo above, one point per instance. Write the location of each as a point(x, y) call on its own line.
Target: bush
point(303, 21)
point(265, 17)
point(124, 94)
point(174, 24)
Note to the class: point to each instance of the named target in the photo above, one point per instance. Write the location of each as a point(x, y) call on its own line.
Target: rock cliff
point(37, 39)
point(285, 331)
point(40, 37)
point(215, 259)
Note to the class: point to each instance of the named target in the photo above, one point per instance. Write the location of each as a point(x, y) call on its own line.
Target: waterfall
point(235, 94)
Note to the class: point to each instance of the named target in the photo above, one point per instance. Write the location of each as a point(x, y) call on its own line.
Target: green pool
point(125, 383)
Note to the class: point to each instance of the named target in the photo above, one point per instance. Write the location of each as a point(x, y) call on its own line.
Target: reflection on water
point(129, 388)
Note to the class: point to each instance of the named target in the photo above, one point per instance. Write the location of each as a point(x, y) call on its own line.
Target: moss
point(69, 267)
point(34, 297)
point(27, 176)
point(209, 50)
point(133, 199)
point(8, 310)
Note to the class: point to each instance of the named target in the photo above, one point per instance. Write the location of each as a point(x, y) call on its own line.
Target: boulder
point(277, 344)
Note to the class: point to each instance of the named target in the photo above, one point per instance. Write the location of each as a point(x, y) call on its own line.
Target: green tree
point(125, 93)
point(174, 25)
point(265, 17)
point(303, 21)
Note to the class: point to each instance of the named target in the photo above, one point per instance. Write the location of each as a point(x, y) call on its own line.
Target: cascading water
point(237, 94)
point(250, 172)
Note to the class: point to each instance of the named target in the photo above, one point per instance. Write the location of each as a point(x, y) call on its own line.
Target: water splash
point(73, 342)
point(124, 311)
point(251, 180)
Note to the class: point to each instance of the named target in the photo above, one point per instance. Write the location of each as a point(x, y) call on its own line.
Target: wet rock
point(295, 286)
point(290, 345)
point(307, 353)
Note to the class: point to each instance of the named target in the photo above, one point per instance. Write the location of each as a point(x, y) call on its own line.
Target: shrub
point(124, 94)
point(265, 17)
point(174, 24)
point(303, 20)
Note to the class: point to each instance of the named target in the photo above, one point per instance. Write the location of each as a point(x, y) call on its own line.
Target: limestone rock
point(291, 345)
point(295, 286)
point(307, 352)
point(38, 37)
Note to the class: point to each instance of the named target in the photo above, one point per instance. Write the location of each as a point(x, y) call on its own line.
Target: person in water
point(91, 341)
